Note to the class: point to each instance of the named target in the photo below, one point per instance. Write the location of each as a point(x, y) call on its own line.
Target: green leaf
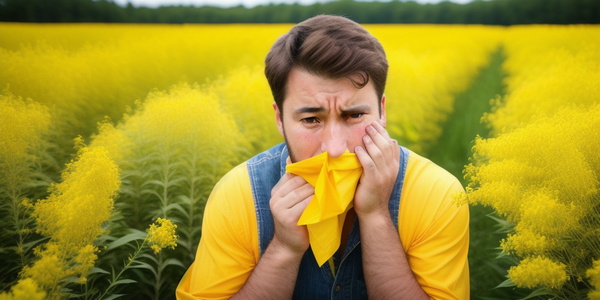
point(72, 279)
point(74, 296)
point(123, 281)
point(29, 245)
point(152, 192)
point(150, 257)
point(96, 270)
point(146, 266)
point(175, 206)
point(133, 236)
point(503, 225)
point(113, 296)
point(175, 182)
point(506, 283)
point(170, 262)
point(539, 292)
point(154, 182)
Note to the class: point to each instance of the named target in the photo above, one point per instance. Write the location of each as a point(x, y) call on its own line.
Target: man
point(403, 238)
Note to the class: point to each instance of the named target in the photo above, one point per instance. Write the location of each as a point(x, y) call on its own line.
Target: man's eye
point(356, 116)
point(310, 120)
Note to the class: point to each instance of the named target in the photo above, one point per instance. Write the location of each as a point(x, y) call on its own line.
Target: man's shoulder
point(428, 188)
point(421, 170)
point(236, 180)
point(239, 179)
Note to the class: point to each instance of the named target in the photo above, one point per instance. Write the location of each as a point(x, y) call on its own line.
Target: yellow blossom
point(25, 289)
point(526, 242)
point(49, 268)
point(538, 271)
point(72, 216)
point(594, 275)
point(161, 234)
point(22, 126)
point(85, 260)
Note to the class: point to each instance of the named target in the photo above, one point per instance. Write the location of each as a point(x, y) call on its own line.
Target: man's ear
point(278, 118)
point(382, 117)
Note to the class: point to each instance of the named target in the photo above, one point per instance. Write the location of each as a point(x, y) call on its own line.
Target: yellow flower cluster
point(104, 68)
point(72, 217)
point(594, 275)
point(245, 95)
point(161, 234)
point(429, 65)
point(22, 126)
point(173, 147)
point(541, 171)
point(548, 67)
point(543, 177)
point(538, 271)
point(25, 289)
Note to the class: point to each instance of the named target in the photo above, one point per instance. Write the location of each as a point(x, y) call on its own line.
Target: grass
point(452, 152)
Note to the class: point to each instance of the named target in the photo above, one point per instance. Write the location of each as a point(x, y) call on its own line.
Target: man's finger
point(374, 150)
point(286, 184)
point(298, 195)
point(381, 130)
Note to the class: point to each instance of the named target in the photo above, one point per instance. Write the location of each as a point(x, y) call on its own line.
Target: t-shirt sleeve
point(228, 249)
point(435, 231)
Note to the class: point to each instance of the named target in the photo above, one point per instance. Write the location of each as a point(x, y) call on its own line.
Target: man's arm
point(386, 269)
point(275, 274)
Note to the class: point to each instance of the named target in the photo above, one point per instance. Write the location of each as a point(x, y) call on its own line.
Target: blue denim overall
point(315, 282)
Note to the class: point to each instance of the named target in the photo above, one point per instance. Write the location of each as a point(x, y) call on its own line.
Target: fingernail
point(358, 148)
point(370, 128)
point(367, 139)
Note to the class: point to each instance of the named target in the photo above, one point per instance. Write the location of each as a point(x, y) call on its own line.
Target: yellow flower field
point(149, 117)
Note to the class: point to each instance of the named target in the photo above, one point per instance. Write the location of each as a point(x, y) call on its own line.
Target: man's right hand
point(289, 198)
point(274, 277)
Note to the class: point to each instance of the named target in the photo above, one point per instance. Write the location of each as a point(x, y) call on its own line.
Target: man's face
point(321, 114)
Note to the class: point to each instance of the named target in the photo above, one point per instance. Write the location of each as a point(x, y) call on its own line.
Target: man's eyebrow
point(358, 108)
point(308, 109)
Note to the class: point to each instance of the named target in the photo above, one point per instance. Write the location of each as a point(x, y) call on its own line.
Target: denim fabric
point(315, 282)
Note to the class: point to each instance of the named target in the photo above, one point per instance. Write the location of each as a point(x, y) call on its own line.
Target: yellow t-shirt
point(434, 234)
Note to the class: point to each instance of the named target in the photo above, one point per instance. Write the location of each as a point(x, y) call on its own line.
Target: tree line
point(491, 12)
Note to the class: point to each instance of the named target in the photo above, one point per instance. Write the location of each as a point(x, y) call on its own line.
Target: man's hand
point(380, 162)
point(274, 277)
point(289, 198)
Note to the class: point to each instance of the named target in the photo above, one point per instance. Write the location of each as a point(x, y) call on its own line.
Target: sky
point(230, 3)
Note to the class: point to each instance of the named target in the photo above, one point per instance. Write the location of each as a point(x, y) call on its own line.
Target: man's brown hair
point(327, 46)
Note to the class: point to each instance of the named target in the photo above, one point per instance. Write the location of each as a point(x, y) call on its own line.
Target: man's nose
point(334, 140)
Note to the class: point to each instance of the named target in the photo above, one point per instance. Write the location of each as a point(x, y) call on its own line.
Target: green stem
point(127, 266)
point(157, 286)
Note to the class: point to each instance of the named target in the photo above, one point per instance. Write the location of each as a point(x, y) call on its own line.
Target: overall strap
point(265, 170)
point(394, 203)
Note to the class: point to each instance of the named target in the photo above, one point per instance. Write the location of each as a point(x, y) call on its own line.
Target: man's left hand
point(380, 161)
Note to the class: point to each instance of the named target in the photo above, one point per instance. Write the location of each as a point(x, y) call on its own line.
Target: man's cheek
point(357, 135)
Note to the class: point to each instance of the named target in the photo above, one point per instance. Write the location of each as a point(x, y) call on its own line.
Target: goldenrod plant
point(71, 218)
point(541, 170)
point(24, 125)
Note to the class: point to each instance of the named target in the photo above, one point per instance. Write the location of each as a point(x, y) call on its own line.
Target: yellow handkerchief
point(334, 180)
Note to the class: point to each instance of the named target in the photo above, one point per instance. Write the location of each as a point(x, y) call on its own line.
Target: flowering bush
point(541, 171)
